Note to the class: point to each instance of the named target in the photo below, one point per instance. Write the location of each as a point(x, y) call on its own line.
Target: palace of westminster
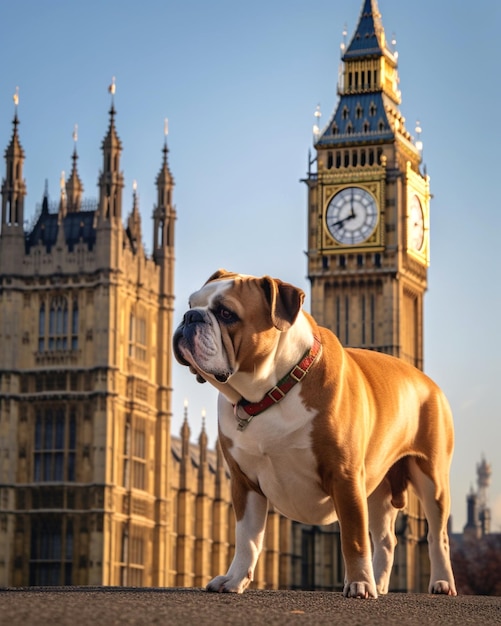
point(94, 487)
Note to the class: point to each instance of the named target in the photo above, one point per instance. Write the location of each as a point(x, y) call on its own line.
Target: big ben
point(368, 233)
point(368, 207)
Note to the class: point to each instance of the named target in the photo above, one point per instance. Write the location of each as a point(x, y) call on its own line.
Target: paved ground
point(78, 606)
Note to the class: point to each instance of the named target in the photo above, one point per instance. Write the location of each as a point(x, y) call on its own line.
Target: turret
point(111, 179)
point(164, 214)
point(74, 187)
point(134, 222)
point(13, 185)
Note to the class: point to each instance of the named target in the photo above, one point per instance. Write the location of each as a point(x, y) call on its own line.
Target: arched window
point(58, 324)
point(137, 337)
point(74, 326)
point(41, 328)
point(55, 444)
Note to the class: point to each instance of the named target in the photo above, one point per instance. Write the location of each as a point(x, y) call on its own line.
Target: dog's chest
point(275, 452)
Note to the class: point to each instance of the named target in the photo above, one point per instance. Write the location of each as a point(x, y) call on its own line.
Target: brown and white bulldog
point(320, 432)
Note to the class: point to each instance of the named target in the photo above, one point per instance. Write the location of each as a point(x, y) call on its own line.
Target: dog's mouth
point(177, 338)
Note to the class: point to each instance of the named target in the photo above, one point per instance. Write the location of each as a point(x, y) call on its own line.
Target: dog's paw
point(443, 587)
point(359, 590)
point(228, 584)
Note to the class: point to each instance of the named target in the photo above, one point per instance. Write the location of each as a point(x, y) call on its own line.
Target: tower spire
point(13, 186)
point(369, 35)
point(134, 221)
point(368, 86)
point(74, 187)
point(62, 199)
point(164, 213)
point(111, 179)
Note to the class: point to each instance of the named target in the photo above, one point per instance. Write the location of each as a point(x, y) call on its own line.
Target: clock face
point(416, 224)
point(351, 216)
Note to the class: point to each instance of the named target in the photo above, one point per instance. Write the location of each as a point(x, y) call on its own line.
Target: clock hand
point(345, 219)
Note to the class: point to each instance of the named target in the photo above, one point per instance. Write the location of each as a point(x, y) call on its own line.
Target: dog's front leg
point(250, 527)
point(351, 507)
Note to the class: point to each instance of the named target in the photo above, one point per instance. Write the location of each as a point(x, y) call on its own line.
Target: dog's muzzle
point(185, 341)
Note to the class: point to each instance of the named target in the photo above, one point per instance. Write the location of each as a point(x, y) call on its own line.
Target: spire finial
point(316, 125)
point(75, 139)
point(15, 97)
point(419, 143)
point(135, 207)
point(343, 42)
point(112, 87)
point(165, 149)
point(394, 45)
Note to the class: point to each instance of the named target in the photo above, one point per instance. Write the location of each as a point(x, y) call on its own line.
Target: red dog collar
point(276, 393)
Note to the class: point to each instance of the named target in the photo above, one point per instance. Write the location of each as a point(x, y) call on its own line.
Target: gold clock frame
point(417, 185)
point(376, 187)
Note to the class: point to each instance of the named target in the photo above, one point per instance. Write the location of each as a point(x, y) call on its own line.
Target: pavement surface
point(76, 606)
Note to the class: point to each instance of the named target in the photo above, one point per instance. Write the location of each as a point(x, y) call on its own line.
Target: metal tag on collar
point(243, 422)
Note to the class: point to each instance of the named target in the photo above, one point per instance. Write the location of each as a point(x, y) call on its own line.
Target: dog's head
point(233, 325)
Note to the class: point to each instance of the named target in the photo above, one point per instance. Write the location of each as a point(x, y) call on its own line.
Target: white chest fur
point(275, 452)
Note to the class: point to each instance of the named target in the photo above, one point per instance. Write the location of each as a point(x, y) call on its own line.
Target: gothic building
point(94, 487)
point(85, 381)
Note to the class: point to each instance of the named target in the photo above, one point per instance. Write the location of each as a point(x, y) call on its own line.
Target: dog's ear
point(218, 274)
point(285, 301)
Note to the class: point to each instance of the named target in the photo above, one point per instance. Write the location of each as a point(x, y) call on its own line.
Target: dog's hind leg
point(382, 516)
point(435, 499)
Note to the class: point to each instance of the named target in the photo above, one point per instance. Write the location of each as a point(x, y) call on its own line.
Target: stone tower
point(368, 230)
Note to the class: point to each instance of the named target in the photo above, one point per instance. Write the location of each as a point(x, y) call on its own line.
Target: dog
point(318, 431)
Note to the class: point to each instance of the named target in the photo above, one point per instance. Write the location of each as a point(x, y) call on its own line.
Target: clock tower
point(368, 234)
point(368, 206)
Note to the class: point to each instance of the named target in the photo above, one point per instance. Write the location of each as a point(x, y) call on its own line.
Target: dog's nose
point(193, 317)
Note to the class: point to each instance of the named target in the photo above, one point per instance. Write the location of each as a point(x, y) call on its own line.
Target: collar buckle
point(276, 394)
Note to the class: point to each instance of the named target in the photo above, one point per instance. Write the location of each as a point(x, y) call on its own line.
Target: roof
point(78, 227)
point(367, 39)
point(358, 117)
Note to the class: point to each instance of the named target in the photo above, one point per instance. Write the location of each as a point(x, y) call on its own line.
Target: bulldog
point(318, 431)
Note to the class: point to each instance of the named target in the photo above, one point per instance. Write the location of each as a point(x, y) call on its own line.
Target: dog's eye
point(225, 315)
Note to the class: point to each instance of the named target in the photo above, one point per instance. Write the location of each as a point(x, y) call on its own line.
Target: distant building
point(94, 489)
point(478, 512)
point(476, 552)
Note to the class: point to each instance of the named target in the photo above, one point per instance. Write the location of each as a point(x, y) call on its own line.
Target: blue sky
point(239, 83)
